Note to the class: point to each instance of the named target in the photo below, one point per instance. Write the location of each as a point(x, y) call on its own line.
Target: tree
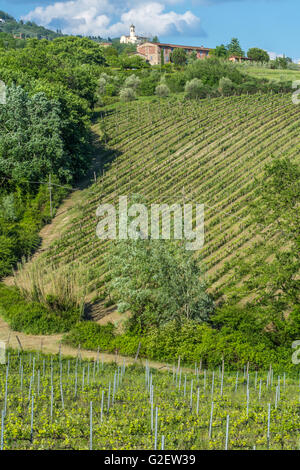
point(219, 51)
point(234, 48)
point(31, 146)
point(178, 57)
point(259, 55)
point(155, 39)
point(192, 57)
point(127, 94)
point(158, 281)
point(162, 90)
point(132, 82)
point(195, 88)
point(226, 86)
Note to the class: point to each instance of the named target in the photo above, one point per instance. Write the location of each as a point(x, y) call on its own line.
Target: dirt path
point(51, 344)
point(52, 231)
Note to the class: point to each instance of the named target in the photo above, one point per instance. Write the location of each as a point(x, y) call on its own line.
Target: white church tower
point(132, 38)
point(132, 33)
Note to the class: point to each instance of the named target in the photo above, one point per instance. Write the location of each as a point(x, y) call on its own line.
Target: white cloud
point(274, 55)
point(111, 18)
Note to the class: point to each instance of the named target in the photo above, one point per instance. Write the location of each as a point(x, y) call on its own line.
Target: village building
point(235, 58)
point(156, 53)
point(132, 38)
point(2, 20)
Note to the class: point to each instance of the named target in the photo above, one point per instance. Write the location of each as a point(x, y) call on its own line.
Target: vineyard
point(169, 151)
point(50, 402)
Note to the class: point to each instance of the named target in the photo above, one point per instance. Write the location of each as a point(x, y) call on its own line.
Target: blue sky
point(270, 24)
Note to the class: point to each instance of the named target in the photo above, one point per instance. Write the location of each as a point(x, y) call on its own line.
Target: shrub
point(132, 82)
point(226, 86)
point(102, 86)
point(148, 85)
point(195, 89)
point(92, 336)
point(162, 90)
point(127, 94)
point(32, 317)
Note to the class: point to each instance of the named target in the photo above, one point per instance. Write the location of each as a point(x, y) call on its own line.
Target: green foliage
point(195, 89)
point(127, 95)
point(220, 51)
point(157, 280)
point(32, 317)
point(162, 90)
point(25, 30)
point(259, 55)
point(179, 57)
point(234, 48)
point(92, 336)
point(132, 82)
point(31, 146)
point(22, 215)
point(239, 339)
point(211, 70)
point(175, 81)
point(44, 128)
point(279, 193)
point(71, 388)
point(148, 85)
point(226, 86)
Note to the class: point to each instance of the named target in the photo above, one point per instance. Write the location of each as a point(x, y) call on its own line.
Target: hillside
point(272, 75)
point(24, 30)
point(171, 151)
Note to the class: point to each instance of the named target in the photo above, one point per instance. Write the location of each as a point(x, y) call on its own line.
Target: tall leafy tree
point(179, 57)
point(259, 55)
point(234, 48)
point(31, 146)
point(158, 281)
point(220, 51)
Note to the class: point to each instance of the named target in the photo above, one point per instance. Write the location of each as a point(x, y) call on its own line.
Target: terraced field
point(207, 152)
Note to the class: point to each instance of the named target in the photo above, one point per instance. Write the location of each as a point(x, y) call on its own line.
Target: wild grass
point(60, 288)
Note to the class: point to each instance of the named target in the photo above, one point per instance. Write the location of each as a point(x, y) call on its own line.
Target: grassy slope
point(207, 152)
point(275, 75)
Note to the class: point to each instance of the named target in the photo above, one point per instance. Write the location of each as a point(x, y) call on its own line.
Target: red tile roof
point(183, 47)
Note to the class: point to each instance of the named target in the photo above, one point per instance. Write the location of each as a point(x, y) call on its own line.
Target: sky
point(272, 25)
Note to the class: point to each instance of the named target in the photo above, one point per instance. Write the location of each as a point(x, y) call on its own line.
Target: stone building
point(154, 52)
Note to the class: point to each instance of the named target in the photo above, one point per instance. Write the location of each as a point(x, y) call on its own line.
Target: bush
point(32, 317)
point(226, 86)
point(162, 90)
point(191, 341)
point(92, 336)
point(132, 82)
point(148, 85)
point(126, 95)
point(195, 89)
point(175, 82)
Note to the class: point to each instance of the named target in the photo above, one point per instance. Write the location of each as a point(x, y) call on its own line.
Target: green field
point(273, 75)
point(52, 403)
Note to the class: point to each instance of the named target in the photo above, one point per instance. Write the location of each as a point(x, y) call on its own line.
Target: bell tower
point(132, 31)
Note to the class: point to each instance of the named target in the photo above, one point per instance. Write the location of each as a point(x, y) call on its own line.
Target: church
point(132, 38)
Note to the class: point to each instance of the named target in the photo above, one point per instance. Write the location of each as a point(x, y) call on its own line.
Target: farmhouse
point(156, 53)
point(235, 58)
